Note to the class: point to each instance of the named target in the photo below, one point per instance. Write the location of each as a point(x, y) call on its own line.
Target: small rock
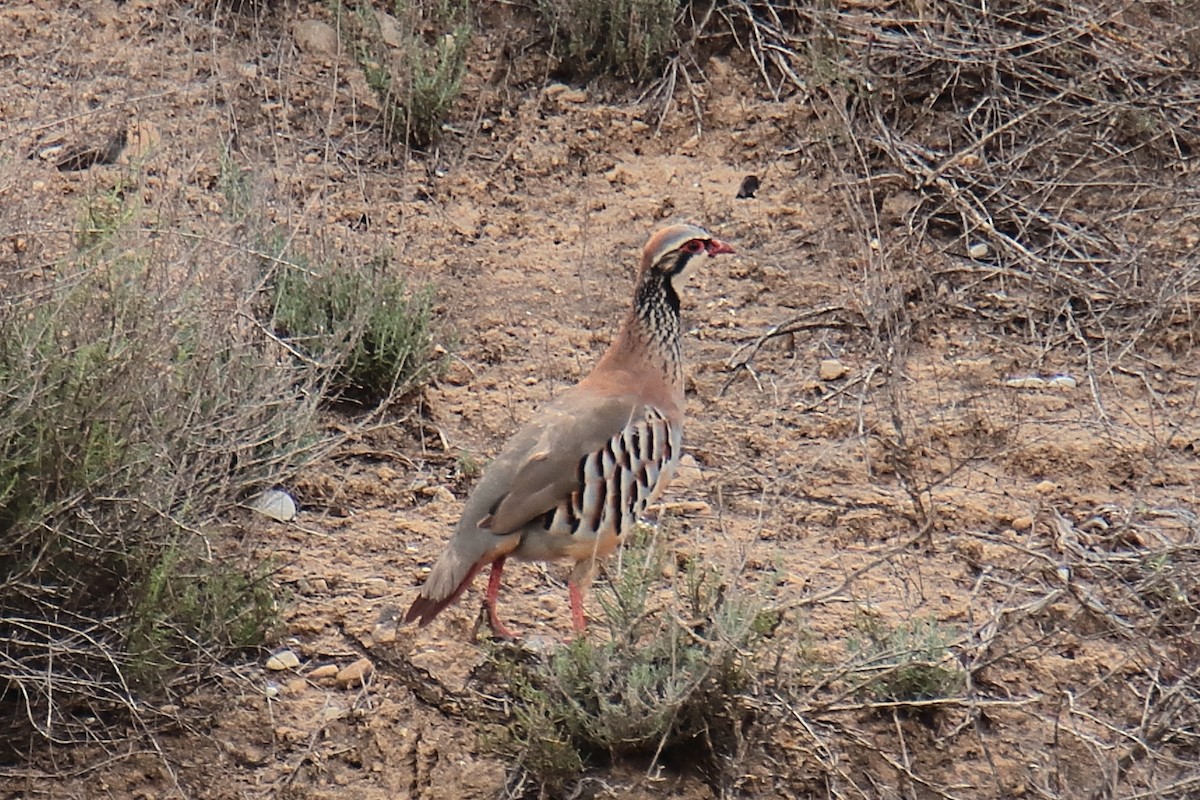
point(1025, 382)
point(978, 250)
point(573, 96)
point(375, 587)
point(296, 686)
point(1022, 523)
point(389, 29)
point(831, 369)
point(688, 474)
point(272, 689)
point(276, 504)
point(315, 37)
point(385, 632)
point(555, 89)
point(284, 659)
point(323, 671)
point(1065, 382)
point(357, 672)
point(1046, 487)
point(749, 186)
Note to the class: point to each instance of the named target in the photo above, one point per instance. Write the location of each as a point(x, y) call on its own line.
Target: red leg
point(577, 619)
point(489, 601)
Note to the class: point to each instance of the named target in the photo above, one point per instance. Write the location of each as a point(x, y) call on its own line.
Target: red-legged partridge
point(582, 471)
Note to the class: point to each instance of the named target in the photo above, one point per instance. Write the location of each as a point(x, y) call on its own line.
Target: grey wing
point(542, 465)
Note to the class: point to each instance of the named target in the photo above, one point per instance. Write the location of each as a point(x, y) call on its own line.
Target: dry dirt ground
point(917, 485)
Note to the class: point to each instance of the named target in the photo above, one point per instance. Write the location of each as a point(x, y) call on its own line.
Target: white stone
point(283, 659)
point(276, 504)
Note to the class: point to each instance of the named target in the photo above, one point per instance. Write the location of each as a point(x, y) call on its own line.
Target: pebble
point(1045, 487)
point(831, 369)
point(276, 504)
point(315, 37)
point(323, 671)
point(1025, 382)
point(389, 29)
point(1060, 381)
point(688, 474)
point(283, 659)
point(385, 632)
point(979, 250)
point(357, 672)
point(296, 686)
point(1022, 523)
point(374, 587)
point(272, 689)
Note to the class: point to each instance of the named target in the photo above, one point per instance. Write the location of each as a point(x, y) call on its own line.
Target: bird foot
point(487, 614)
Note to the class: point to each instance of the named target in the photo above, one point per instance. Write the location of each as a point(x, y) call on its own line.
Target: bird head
point(671, 250)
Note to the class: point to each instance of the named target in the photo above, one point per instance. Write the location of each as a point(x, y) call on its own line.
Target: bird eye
point(694, 246)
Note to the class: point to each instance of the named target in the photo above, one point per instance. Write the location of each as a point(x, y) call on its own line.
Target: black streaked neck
point(656, 313)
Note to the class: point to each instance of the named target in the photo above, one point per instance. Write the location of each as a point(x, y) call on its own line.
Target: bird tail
point(442, 588)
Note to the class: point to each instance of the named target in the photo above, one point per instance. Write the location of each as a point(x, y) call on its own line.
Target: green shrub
point(363, 322)
point(669, 674)
point(418, 75)
point(627, 38)
point(911, 662)
point(142, 400)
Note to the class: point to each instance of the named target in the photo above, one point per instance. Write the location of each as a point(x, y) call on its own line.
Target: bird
point(577, 477)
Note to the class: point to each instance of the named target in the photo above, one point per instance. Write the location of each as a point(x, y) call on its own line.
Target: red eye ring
point(695, 246)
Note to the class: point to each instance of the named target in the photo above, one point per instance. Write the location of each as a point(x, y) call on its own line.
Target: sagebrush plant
point(907, 662)
point(626, 38)
point(363, 321)
point(142, 400)
point(416, 68)
point(670, 672)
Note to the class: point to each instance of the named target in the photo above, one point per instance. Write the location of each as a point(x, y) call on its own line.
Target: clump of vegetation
point(670, 674)
point(141, 401)
point(627, 38)
point(363, 322)
point(414, 60)
point(907, 663)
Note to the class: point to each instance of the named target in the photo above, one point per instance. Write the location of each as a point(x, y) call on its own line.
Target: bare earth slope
point(909, 483)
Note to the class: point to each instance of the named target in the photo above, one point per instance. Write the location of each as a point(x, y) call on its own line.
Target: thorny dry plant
point(1028, 170)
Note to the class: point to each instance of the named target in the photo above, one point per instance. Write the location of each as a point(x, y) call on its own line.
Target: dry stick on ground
point(1157, 728)
point(744, 355)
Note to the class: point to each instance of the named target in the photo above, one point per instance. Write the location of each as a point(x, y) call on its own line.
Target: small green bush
point(364, 322)
point(418, 78)
point(627, 38)
point(129, 420)
point(143, 398)
point(669, 674)
point(907, 663)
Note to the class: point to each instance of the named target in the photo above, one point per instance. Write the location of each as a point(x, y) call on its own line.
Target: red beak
point(716, 247)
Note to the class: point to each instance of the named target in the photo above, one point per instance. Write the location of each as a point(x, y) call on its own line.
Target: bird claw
point(500, 631)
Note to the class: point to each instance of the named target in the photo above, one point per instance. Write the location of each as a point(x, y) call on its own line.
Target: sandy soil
point(528, 220)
